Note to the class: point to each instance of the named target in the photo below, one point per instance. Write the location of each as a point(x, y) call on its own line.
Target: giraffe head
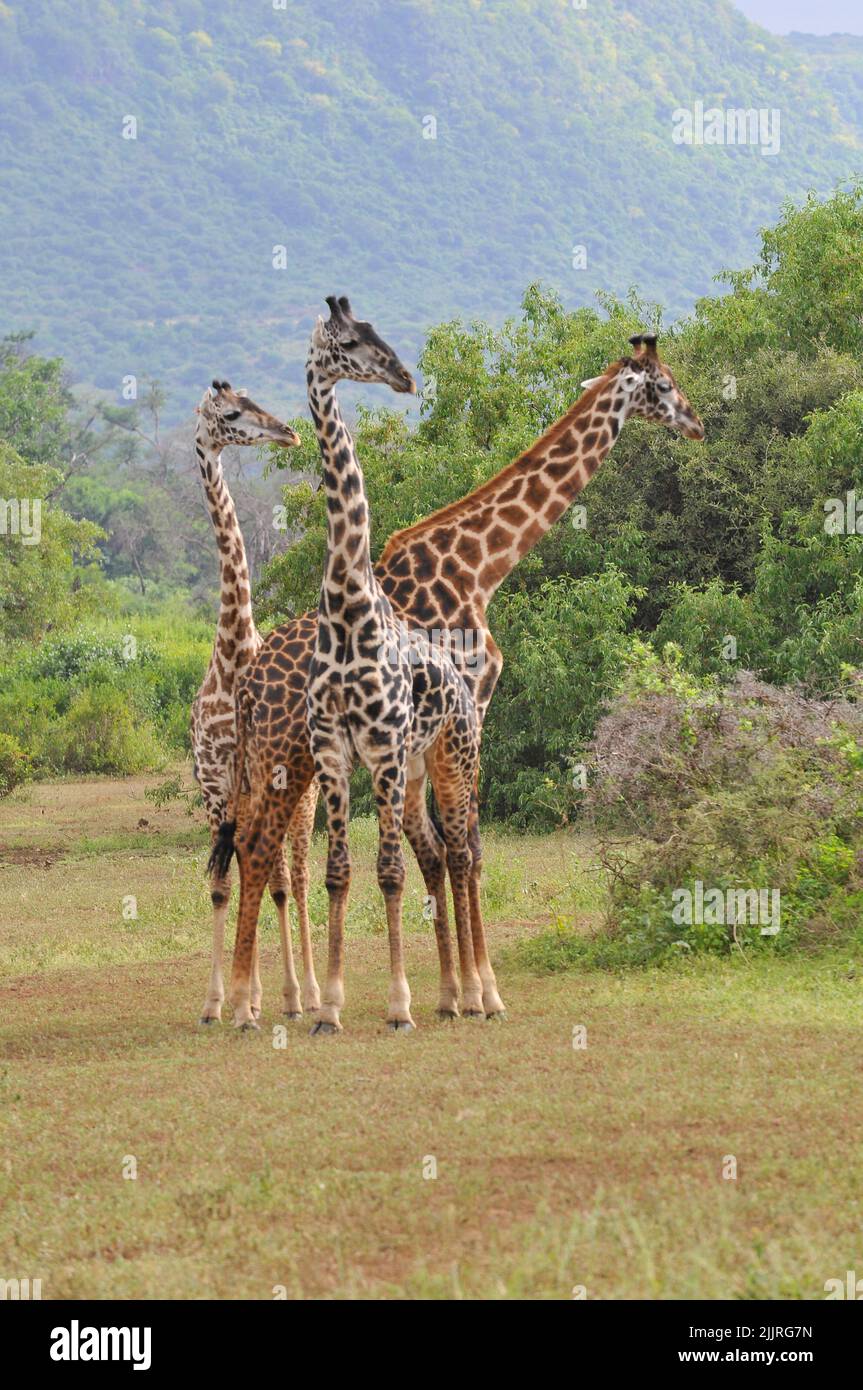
point(230, 417)
point(346, 348)
point(646, 387)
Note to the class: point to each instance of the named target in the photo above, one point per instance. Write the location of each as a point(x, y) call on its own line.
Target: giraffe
point(227, 417)
point(441, 573)
point(400, 710)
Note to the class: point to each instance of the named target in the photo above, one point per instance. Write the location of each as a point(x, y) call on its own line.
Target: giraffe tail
point(223, 850)
point(434, 813)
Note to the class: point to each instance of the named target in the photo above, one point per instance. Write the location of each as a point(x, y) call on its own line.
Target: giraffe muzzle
point(288, 439)
point(403, 382)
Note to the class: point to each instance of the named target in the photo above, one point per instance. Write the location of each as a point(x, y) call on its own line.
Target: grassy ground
point(307, 1167)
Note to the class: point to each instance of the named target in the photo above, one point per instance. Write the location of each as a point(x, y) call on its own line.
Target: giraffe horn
point(645, 341)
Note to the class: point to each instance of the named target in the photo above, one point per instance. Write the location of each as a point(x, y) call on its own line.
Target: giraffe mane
point(539, 446)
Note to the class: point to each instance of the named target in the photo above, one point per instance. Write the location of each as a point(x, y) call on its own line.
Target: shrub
point(151, 684)
point(700, 792)
point(99, 734)
point(75, 654)
point(14, 764)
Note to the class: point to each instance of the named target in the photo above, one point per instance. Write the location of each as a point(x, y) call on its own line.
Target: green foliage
point(42, 553)
point(254, 130)
point(568, 644)
point(716, 630)
point(171, 790)
point(34, 403)
point(99, 734)
point(113, 466)
point(14, 764)
point(105, 700)
point(812, 266)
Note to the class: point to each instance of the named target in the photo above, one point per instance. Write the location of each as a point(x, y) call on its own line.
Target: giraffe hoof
point(292, 1014)
point(401, 1025)
point(321, 1027)
point(250, 1026)
point(206, 1020)
point(472, 1013)
point(497, 1017)
point(447, 1015)
point(256, 1012)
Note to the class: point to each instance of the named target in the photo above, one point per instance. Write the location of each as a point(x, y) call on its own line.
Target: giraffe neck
point(348, 561)
point(235, 633)
point(494, 527)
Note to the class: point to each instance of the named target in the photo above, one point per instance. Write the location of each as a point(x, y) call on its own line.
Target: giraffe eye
point(664, 385)
point(349, 346)
point(233, 415)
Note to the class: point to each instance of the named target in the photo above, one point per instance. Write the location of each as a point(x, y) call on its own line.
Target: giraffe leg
point(491, 1001)
point(452, 793)
point(279, 885)
point(256, 992)
point(220, 896)
point(335, 786)
point(389, 796)
point(430, 852)
point(300, 831)
point(259, 839)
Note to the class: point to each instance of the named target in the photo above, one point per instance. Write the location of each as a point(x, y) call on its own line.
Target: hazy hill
point(303, 126)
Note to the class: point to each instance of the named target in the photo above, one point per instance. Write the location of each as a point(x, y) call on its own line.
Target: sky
point(806, 16)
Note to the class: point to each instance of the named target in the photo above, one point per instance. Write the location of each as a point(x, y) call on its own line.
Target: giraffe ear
point(241, 391)
point(591, 381)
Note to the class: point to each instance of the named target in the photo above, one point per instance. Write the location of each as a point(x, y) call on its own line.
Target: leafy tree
point(42, 584)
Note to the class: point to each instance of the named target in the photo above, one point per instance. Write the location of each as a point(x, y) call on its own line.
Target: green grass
point(260, 1166)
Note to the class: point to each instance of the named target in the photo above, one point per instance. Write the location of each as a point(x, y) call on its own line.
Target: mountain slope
point(303, 127)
